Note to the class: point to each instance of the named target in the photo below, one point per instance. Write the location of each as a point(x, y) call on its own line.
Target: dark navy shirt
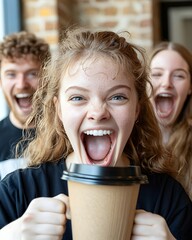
point(9, 137)
point(162, 195)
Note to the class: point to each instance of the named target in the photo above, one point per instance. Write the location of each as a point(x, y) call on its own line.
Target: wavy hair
point(181, 135)
point(51, 142)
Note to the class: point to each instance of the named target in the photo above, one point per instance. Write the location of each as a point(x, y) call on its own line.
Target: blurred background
point(148, 21)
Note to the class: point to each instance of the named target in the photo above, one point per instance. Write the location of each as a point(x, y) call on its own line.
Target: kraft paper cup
point(103, 200)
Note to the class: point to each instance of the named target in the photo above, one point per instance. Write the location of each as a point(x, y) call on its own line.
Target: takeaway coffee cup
point(103, 200)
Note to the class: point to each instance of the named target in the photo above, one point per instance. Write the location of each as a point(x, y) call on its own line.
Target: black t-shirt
point(10, 136)
point(163, 196)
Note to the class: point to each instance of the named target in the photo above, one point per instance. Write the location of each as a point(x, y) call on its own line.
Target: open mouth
point(24, 100)
point(99, 145)
point(164, 104)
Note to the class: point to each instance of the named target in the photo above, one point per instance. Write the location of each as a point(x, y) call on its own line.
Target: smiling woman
point(171, 77)
point(92, 107)
point(97, 108)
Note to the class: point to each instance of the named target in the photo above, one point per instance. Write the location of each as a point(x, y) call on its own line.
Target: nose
point(98, 112)
point(21, 81)
point(166, 81)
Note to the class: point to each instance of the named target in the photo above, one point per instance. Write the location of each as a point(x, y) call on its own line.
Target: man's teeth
point(23, 95)
point(98, 132)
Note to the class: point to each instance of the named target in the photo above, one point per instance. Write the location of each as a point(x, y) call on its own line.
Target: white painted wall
point(3, 105)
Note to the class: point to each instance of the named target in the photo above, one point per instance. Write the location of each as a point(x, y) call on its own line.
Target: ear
point(57, 107)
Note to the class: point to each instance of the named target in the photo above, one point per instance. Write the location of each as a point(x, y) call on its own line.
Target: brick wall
point(40, 17)
point(47, 17)
point(131, 15)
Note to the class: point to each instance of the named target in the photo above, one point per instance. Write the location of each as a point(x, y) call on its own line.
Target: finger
point(146, 218)
point(141, 230)
point(47, 205)
point(140, 211)
point(42, 229)
point(139, 238)
point(65, 200)
point(45, 217)
point(41, 237)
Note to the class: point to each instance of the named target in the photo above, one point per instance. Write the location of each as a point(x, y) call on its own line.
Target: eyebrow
point(85, 90)
point(18, 70)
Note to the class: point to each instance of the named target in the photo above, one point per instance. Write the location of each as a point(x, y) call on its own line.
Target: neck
point(17, 123)
point(166, 132)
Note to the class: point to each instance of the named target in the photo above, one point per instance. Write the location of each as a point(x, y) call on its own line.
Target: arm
point(45, 217)
point(149, 225)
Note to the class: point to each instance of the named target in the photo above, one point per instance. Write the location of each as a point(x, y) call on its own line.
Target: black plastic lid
point(94, 174)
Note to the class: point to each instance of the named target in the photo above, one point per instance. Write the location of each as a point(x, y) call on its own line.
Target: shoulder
point(43, 173)
point(161, 192)
point(40, 170)
point(163, 183)
point(161, 179)
point(41, 181)
point(5, 122)
point(10, 135)
point(10, 165)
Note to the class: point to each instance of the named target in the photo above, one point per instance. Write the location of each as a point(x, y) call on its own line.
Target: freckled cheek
point(71, 119)
point(127, 124)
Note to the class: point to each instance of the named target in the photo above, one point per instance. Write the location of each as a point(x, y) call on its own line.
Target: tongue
point(164, 105)
point(97, 147)
point(24, 102)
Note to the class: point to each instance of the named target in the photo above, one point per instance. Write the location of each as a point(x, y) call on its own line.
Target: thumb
point(65, 199)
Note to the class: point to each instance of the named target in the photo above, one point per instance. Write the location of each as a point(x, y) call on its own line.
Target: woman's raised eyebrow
point(181, 69)
point(120, 86)
point(157, 68)
point(76, 88)
point(85, 90)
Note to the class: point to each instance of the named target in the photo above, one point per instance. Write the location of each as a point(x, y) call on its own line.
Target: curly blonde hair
point(51, 142)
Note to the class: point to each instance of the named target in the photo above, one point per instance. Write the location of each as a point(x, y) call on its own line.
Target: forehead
point(96, 73)
point(25, 60)
point(97, 65)
point(167, 58)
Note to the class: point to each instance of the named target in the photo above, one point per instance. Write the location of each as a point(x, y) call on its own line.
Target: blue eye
point(118, 98)
point(179, 76)
point(76, 99)
point(32, 74)
point(10, 75)
point(156, 75)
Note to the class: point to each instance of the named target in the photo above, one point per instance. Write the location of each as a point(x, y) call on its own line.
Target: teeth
point(165, 95)
point(98, 132)
point(23, 95)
